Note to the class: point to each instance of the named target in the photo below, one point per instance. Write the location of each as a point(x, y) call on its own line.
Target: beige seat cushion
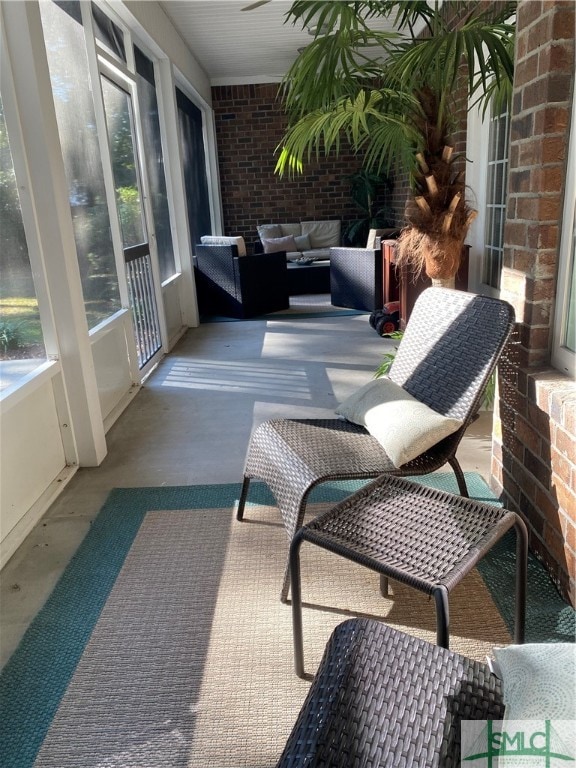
point(221, 240)
point(291, 229)
point(323, 234)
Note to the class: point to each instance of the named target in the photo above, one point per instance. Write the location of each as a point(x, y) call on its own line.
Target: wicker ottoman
point(419, 536)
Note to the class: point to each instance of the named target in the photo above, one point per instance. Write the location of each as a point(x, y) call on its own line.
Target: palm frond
point(369, 119)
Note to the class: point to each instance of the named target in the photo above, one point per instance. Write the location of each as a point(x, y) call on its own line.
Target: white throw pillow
point(221, 240)
point(275, 244)
point(404, 426)
point(538, 680)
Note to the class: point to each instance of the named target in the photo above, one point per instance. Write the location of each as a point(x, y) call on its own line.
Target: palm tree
point(391, 97)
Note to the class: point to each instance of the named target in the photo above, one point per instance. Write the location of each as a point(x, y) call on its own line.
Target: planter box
point(402, 286)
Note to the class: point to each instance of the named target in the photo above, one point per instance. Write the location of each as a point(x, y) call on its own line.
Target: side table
point(422, 537)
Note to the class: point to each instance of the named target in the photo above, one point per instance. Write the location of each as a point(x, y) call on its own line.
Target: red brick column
point(534, 446)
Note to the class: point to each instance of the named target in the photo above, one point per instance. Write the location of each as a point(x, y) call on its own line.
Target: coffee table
point(308, 278)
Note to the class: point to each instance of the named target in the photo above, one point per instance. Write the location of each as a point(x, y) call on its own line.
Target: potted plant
point(391, 96)
point(369, 191)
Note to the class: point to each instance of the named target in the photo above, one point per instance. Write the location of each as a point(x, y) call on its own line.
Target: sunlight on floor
point(236, 376)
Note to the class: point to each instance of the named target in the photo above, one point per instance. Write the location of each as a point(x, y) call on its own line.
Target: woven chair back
point(449, 349)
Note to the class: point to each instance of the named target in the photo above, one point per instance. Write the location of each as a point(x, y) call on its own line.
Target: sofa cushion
point(269, 231)
point(275, 244)
point(221, 240)
point(538, 680)
point(291, 229)
point(323, 234)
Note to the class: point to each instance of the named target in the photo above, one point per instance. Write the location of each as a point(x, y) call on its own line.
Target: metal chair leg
point(521, 579)
point(294, 565)
point(285, 584)
point(460, 479)
point(242, 500)
point(442, 617)
point(384, 585)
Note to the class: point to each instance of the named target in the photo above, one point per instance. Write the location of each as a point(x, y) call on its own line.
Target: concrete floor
point(191, 424)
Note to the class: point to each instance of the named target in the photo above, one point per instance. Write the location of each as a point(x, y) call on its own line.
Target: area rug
point(164, 644)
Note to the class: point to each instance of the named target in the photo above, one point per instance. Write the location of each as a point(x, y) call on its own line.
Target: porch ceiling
point(235, 46)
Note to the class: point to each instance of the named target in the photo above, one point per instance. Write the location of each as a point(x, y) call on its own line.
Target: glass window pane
point(21, 341)
point(194, 160)
point(118, 109)
point(495, 200)
point(108, 33)
point(72, 93)
point(154, 159)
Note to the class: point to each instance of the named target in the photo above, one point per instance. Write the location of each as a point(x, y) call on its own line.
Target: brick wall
point(250, 124)
point(534, 445)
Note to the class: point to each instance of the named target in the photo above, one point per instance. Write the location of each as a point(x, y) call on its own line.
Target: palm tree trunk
point(444, 282)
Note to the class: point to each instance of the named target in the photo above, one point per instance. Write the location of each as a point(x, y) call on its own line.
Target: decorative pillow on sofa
point(275, 244)
point(538, 680)
point(404, 426)
point(269, 231)
point(303, 242)
point(221, 240)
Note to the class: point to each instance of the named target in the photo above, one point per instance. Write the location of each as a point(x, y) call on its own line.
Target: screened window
point(119, 118)
point(21, 340)
point(194, 160)
point(564, 341)
point(496, 199)
point(71, 87)
point(154, 160)
point(108, 34)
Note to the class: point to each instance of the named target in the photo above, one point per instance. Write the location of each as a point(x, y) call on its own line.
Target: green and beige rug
point(165, 645)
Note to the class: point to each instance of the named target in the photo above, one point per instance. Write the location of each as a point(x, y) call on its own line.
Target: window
point(564, 340)
point(495, 199)
point(20, 329)
point(154, 159)
point(194, 161)
point(71, 87)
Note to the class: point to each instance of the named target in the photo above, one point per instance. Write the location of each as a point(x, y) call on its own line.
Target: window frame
point(563, 358)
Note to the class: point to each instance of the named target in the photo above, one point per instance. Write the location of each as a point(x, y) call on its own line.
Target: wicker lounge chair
point(449, 350)
point(384, 698)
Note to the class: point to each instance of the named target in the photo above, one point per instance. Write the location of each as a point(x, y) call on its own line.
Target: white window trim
point(562, 357)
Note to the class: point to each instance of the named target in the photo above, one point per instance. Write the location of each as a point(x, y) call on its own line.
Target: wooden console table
point(403, 287)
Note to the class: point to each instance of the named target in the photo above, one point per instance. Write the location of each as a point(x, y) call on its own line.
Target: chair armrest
point(262, 261)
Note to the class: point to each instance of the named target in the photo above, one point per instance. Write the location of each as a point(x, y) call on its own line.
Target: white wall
point(59, 419)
